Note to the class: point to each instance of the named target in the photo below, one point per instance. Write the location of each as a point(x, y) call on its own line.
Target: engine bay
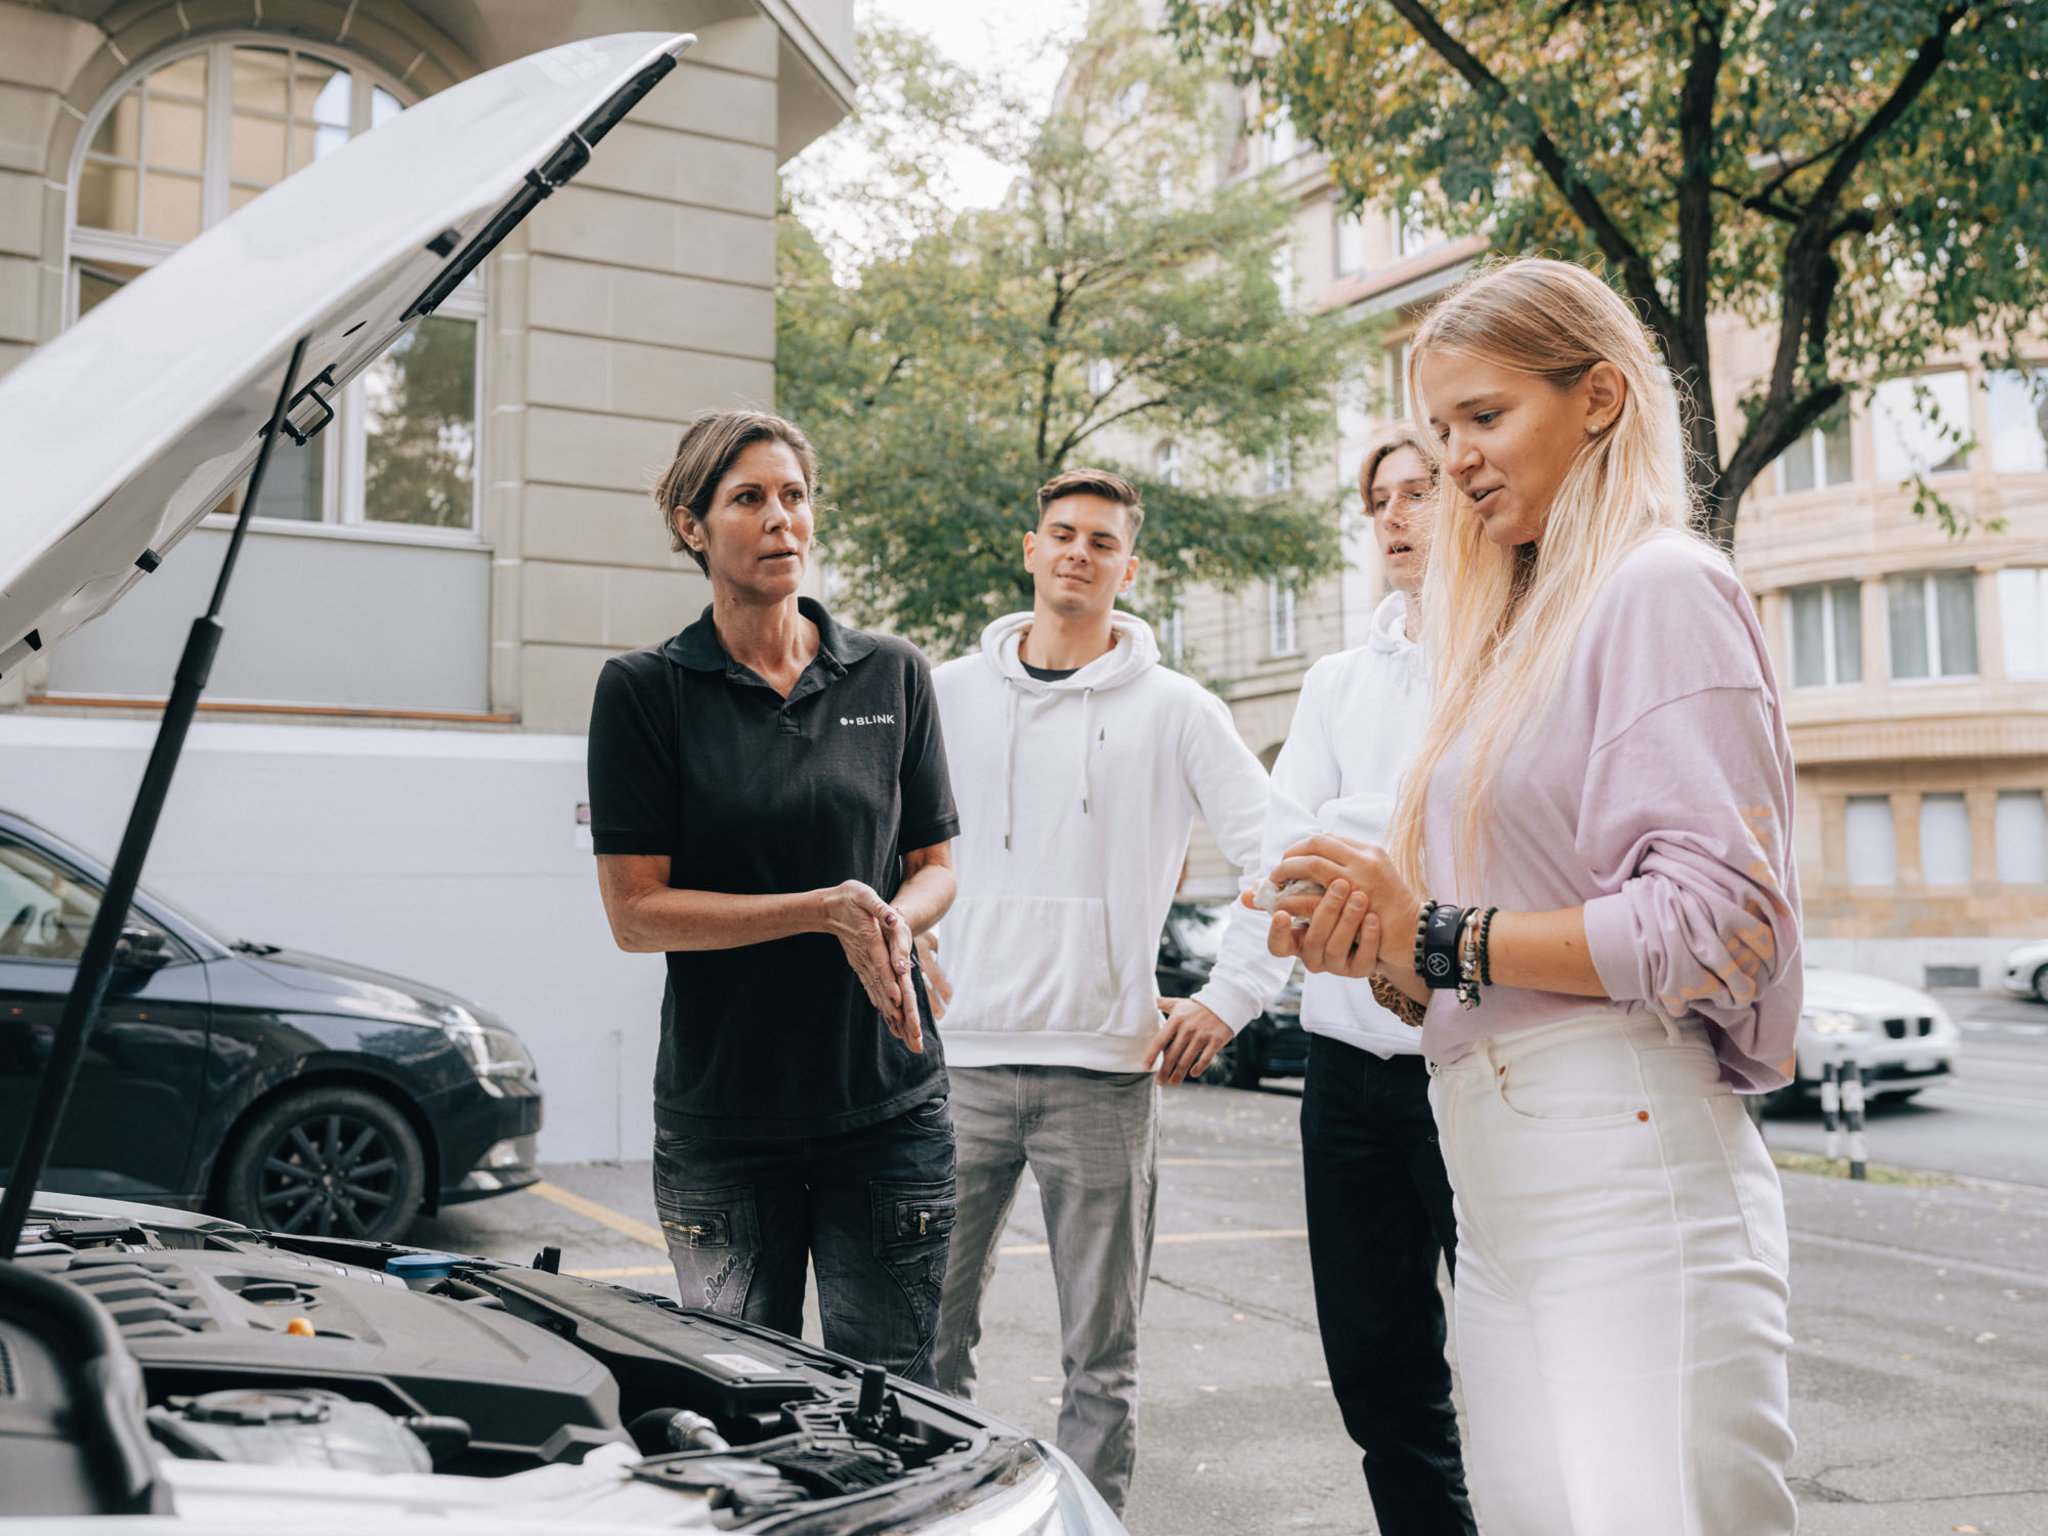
point(258, 1371)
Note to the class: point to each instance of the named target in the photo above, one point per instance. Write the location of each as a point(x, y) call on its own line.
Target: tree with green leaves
point(1864, 175)
point(946, 363)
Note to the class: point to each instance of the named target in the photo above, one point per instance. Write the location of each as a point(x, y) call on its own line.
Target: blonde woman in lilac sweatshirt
point(1601, 804)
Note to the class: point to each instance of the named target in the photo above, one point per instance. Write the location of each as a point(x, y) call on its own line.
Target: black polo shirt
point(696, 757)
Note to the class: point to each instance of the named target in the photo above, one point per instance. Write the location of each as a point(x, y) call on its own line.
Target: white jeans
point(1621, 1285)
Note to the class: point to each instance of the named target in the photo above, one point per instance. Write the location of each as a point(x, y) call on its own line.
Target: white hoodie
point(1076, 799)
point(1356, 725)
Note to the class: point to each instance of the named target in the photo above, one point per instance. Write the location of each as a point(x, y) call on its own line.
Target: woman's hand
point(877, 943)
point(1365, 916)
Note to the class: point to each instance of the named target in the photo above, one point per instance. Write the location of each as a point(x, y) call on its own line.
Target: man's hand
point(877, 945)
point(936, 986)
point(1187, 1042)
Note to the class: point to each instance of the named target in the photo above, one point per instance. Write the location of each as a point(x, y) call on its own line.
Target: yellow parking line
point(627, 1272)
point(1247, 1235)
point(603, 1215)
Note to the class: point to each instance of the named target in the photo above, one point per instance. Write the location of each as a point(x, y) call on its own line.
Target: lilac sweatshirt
point(1656, 791)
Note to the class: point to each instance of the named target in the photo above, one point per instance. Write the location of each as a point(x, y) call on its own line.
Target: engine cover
point(201, 1321)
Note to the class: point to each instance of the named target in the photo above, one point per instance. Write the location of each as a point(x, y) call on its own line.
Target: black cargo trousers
point(1379, 1214)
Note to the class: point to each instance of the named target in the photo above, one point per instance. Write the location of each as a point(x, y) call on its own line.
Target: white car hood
point(1852, 992)
point(123, 432)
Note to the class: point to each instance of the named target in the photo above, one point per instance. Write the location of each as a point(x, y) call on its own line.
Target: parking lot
point(1920, 1317)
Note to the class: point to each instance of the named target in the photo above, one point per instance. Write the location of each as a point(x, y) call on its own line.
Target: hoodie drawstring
point(1009, 760)
point(1087, 757)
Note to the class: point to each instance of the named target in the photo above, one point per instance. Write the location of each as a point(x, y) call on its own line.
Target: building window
point(182, 145)
point(1406, 226)
point(1944, 840)
point(1825, 631)
point(2019, 421)
point(1397, 381)
point(1282, 142)
point(1873, 850)
point(2022, 830)
point(1166, 462)
point(1933, 620)
point(1350, 244)
point(1282, 635)
point(1920, 426)
point(1101, 376)
point(1278, 474)
point(2023, 620)
point(1173, 636)
point(1821, 458)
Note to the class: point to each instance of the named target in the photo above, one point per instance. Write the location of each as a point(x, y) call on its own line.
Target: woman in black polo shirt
point(756, 785)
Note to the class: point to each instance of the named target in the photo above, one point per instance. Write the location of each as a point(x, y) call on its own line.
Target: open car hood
point(123, 432)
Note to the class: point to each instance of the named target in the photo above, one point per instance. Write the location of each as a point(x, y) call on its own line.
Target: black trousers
point(1379, 1214)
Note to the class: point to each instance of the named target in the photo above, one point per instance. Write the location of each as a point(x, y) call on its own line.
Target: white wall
point(449, 856)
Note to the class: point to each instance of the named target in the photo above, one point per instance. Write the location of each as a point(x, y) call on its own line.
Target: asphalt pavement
point(1920, 1312)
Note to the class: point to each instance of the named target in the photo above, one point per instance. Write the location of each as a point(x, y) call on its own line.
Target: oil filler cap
point(421, 1266)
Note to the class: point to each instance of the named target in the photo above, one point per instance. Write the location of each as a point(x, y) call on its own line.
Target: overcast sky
point(1006, 35)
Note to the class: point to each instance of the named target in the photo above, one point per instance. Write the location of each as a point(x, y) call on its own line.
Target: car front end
point(269, 1382)
point(1900, 1037)
point(2026, 972)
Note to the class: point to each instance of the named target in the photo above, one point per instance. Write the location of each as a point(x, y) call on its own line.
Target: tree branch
point(1635, 270)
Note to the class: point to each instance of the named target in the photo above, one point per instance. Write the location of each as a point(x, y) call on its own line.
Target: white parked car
point(2026, 970)
point(1901, 1036)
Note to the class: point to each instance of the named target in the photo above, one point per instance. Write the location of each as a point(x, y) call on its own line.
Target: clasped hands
point(1362, 921)
point(877, 941)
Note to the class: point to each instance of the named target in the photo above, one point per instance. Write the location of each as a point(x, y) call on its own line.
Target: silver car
point(1902, 1037)
point(2026, 970)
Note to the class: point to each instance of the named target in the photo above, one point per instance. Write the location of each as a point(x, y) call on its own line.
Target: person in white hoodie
point(1080, 764)
point(1379, 1203)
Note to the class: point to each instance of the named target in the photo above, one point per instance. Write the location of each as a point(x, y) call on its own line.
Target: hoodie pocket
point(1029, 963)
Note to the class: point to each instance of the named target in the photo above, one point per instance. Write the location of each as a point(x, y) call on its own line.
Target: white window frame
point(2014, 642)
point(1815, 442)
point(1397, 382)
point(1167, 464)
point(1410, 235)
point(1278, 473)
point(1283, 628)
point(1347, 240)
point(1910, 429)
point(1173, 635)
point(1929, 604)
point(1889, 824)
point(1832, 677)
point(2007, 442)
point(1934, 806)
point(344, 445)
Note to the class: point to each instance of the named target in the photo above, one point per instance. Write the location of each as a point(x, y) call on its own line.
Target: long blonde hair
point(1501, 622)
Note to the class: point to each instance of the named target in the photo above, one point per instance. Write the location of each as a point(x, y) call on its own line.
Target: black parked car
point(1272, 1045)
point(279, 1090)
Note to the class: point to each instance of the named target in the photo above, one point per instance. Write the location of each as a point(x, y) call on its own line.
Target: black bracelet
point(1486, 955)
point(1441, 925)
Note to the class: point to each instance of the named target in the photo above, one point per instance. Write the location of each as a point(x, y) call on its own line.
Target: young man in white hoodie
point(1079, 764)
point(1379, 1202)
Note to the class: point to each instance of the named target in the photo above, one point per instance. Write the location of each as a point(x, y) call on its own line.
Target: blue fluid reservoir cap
point(421, 1266)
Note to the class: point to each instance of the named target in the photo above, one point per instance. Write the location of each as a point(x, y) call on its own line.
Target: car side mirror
point(142, 949)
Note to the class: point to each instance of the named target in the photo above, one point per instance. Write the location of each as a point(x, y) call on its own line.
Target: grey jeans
point(1092, 1140)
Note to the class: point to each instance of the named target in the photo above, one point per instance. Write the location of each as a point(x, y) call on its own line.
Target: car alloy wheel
point(327, 1162)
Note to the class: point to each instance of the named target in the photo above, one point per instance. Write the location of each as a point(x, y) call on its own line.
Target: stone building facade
point(389, 767)
point(1914, 663)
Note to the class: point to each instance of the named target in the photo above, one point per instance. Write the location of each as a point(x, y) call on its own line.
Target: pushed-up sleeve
point(1685, 821)
point(635, 795)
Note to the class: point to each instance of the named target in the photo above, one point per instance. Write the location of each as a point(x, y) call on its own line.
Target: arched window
point(188, 138)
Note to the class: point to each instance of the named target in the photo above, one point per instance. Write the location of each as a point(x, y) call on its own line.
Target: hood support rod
point(96, 965)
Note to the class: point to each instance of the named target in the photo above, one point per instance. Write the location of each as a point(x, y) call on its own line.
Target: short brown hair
point(1390, 440)
point(1096, 482)
point(705, 456)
